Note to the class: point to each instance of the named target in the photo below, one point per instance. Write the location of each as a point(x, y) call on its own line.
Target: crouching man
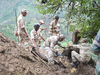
point(49, 46)
point(83, 55)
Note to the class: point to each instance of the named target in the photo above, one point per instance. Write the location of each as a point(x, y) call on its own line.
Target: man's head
point(36, 26)
point(56, 18)
point(41, 22)
point(84, 40)
point(24, 12)
point(61, 37)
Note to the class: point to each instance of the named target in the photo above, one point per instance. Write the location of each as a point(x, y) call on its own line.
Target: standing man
point(41, 22)
point(23, 36)
point(49, 46)
point(95, 48)
point(54, 29)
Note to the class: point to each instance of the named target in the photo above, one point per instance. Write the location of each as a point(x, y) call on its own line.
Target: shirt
point(35, 35)
point(51, 42)
point(21, 23)
point(52, 26)
point(84, 49)
point(96, 42)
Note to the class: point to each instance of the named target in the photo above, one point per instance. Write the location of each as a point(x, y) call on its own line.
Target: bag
point(16, 31)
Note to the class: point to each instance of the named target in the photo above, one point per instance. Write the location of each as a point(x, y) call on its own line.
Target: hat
point(37, 25)
point(41, 21)
point(24, 11)
point(62, 36)
point(85, 39)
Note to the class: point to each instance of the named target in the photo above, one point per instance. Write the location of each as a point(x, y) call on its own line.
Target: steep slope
point(14, 60)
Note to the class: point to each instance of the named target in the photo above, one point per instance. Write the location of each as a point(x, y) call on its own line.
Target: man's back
point(51, 41)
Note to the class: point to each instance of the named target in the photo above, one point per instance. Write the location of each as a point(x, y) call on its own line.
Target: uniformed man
point(49, 46)
point(54, 29)
point(36, 35)
point(23, 36)
point(41, 22)
point(83, 55)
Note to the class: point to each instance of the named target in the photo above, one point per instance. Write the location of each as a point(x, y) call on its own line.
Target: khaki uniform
point(36, 36)
point(49, 47)
point(22, 38)
point(52, 30)
point(84, 55)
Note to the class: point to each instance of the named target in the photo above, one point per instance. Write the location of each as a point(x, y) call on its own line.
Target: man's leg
point(75, 56)
point(50, 55)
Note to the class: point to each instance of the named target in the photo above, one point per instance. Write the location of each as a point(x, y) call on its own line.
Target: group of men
point(51, 44)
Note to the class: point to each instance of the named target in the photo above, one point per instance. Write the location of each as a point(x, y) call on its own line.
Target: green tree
point(81, 14)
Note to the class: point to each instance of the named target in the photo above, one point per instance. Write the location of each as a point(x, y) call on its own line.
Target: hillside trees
point(80, 14)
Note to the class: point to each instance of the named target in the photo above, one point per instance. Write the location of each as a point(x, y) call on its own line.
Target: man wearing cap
point(54, 28)
point(49, 46)
point(36, 35)
point(83, 55)
point(23, 36)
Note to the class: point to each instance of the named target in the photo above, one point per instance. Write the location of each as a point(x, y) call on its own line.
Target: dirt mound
point(14, 60)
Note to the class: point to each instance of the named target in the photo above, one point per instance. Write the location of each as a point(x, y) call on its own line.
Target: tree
point(81, 14)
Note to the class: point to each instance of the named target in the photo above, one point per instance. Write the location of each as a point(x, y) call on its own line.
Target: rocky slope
point(14, 60)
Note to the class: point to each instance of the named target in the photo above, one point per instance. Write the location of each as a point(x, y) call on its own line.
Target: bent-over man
point(49, 46)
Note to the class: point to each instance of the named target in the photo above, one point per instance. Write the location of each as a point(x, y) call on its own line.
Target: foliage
point(81, 14)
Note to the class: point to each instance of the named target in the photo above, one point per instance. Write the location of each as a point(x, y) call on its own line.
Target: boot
point(74, 64)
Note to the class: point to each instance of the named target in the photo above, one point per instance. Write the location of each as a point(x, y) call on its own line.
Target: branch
point(97, 4)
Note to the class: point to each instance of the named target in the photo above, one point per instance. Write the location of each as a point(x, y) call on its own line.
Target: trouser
point(81, 58)
point(50, 55)
point(25, 39)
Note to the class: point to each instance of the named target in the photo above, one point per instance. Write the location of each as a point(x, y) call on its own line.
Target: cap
point(41, 21)
point(24, 11)
point(62, 36)
point(85, 39)
point(37, 25)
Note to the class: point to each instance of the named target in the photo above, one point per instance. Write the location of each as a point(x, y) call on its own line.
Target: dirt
point(14, 60)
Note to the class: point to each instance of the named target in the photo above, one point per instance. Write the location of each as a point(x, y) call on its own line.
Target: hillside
point(14, 60)
point(17, 61)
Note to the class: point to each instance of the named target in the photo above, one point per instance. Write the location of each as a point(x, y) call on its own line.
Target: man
point(54, 28)
point(23, 36)
point(35, 35)
point(95, 48)
point(41, 22)
point(83, 55)
point(49, 46)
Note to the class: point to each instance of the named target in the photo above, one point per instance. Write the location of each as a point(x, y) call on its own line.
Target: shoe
point(74, 64)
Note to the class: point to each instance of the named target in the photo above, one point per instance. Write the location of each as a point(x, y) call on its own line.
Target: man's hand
point(45, 28)
point(26, 35)
point(64, 47)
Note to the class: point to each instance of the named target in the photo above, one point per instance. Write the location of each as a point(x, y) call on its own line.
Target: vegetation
point(81, 14)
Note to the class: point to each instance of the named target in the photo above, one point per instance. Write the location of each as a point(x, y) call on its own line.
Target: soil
point(15, 60)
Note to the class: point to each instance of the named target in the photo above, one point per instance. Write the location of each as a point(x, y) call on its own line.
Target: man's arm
point(60, 45)
point(42, 38)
